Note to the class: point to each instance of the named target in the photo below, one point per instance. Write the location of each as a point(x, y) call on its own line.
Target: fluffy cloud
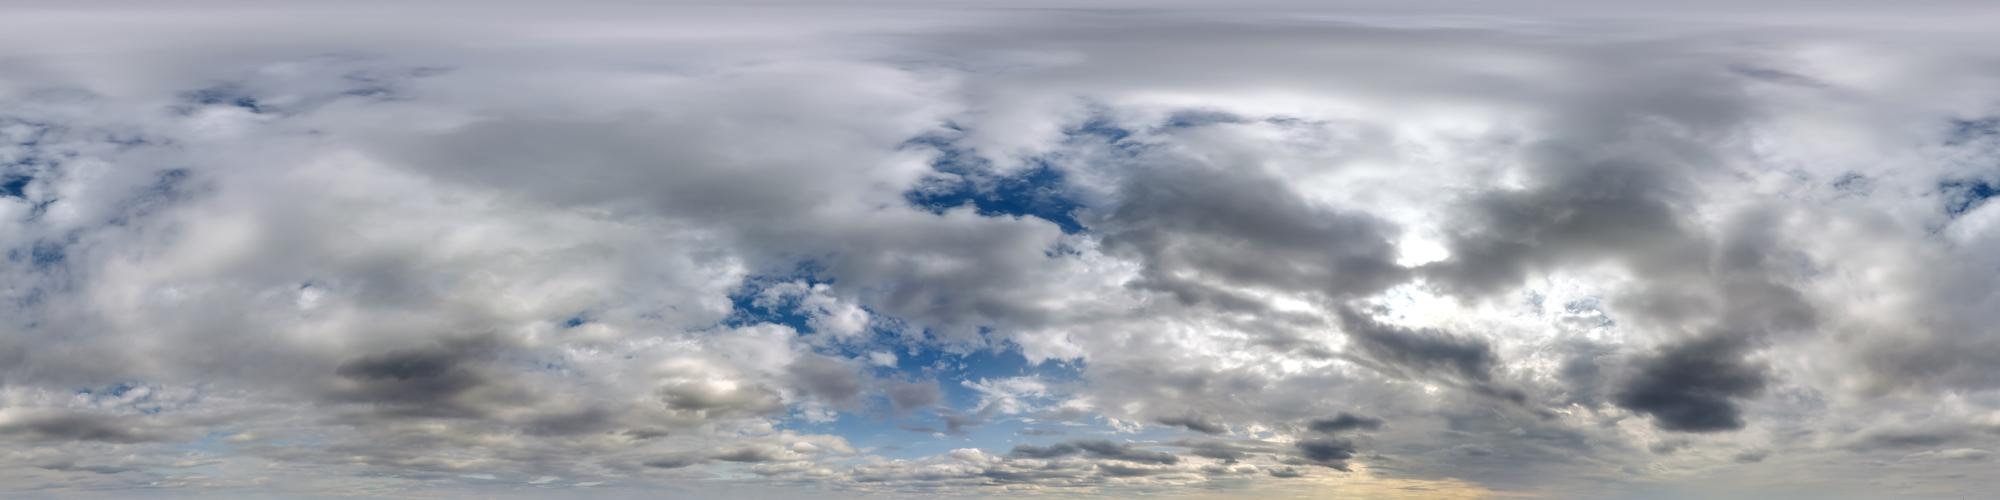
point(524, 250)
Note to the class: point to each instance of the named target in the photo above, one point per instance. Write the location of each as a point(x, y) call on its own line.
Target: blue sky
point(1275, 249)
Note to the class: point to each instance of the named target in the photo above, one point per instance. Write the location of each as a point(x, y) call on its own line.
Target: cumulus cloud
point(1556, 248)
point(1345, 422)
point(1327, 452)
point(1693, 387)
point(1095, 448)
point(1194, 423)
point(76, 426)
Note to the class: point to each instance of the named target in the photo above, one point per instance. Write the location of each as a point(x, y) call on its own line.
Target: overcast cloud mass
point(993, 249)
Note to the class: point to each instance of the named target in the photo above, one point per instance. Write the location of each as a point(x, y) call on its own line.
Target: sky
point(974, 248)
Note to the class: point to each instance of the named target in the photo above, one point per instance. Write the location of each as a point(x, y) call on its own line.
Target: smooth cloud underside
point(1543, 249)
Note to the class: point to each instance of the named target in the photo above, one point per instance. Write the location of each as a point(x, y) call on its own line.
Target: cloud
point(1194, 423)
point(832, 380)
point(1420, 350)
point(1345, 422)
point(77, 426)
point(1555, 249)
point(1424, 352)
point(1331, 453)
point(719, 397)
point(1095, 448)
point(1900, 437)
point(1219, 450)
point(1694, 387)
point(907, 396)
point(429, 381)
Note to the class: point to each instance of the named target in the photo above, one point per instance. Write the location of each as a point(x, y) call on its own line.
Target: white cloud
point(453, 250)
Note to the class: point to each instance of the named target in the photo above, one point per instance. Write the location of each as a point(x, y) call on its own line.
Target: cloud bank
point(1352, 249)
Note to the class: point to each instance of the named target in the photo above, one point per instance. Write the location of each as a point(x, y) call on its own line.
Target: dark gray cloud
point(1345, 422)
point(1118, 470)
point(94, 469)
point(1775, 225)
point(1909, 438)
point(956, 423)
point(673, 462)
point(720, 400)
point(1585, 209)
point(1051, 451)
point(1431, 353)
point(1668, 446)
point(1225, 452)
point(1420, 350)
point(907, 396)
point(1095, 448)
point(1194, 423)
point(1694, 386)
point(60, 426)
point(572, 422)
point(747, 454)
point(430, 381)
point(1327, 452)
point(1199, 229)
point(829, 379)
point(1583, 373)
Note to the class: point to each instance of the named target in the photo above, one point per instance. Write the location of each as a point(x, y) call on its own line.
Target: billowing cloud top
point(1362, 250)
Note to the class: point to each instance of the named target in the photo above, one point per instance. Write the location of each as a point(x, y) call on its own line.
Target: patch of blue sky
point(1853, 184)
point(1964, 195)
point(113, 390)
point(963, 178)
point(22, 158)
point(925, 432)
point(1199, 118)
point(749, 306)
point(15, 185)
point(41, 255)
point(372, 86)
point(26, 132)
point(877, 425)
point(952, 370)
point(1039, 189)
point(213, 440)
point(50, 255)
point(385, 84)
point(1034, 192)
point(115, 394)
point(217, 442)
point(926, 437)
point(29, 155)
point(1099, 127)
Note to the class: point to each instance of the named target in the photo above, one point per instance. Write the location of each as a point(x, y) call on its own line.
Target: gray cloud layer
point(1554, 249)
